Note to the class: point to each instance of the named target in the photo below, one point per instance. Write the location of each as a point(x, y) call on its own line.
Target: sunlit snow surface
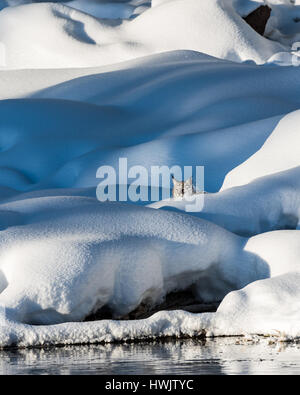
point(178, 82)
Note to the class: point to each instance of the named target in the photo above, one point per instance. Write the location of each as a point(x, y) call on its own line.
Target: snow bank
point(64, 257)
point(208, 128)
point(282, 144)
point(268, 307)
point(81, 40)
point(249, 312)
point(76, 255)
point(268, 203)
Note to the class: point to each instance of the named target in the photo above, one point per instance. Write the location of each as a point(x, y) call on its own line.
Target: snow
point(105, 10)
point(281, 144)
point(80, 40)
point(239, 310)
point(253, 308)
point(268, 203)
point(175, 82)
point(100, 98)
point(126, 254)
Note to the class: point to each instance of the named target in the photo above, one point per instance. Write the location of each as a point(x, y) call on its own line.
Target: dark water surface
point(221, 356)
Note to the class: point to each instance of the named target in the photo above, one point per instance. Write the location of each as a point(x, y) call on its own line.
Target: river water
point(221, 356)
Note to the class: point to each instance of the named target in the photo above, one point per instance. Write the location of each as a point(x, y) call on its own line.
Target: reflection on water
point(221, 356)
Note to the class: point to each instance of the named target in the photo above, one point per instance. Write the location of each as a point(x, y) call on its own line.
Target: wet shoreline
point(189, 357)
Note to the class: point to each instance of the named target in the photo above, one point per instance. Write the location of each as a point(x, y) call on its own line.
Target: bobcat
point(181, 188)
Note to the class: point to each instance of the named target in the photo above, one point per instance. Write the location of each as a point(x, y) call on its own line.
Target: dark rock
point(259, 18)
point(180, 300)
point(101, 314)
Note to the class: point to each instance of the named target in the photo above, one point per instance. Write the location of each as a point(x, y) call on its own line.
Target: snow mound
point(267, 307)
point(81, 40)
point(282, 144)
point(76, 255)
point(212, 125)
point(63, 258)
point(266, 204)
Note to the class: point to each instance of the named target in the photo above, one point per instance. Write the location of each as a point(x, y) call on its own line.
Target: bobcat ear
point(174, 180)
point(189, 180)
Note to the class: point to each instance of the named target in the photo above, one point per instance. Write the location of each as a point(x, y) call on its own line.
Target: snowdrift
point(78, 39)
point(180, 82)
point(83, 255)
point(208, 127)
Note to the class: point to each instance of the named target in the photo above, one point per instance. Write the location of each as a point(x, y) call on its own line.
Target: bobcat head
point(181, 188)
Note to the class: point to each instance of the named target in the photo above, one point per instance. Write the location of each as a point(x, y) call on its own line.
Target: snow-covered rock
point(76, 255)
point(267, 307)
